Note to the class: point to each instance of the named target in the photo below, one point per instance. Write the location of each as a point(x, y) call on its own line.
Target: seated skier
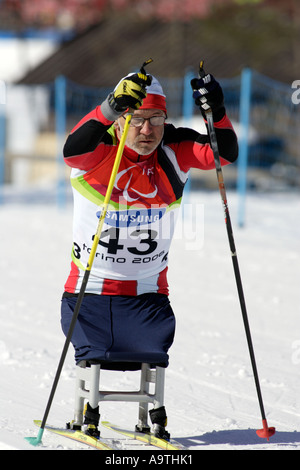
point(126, 310)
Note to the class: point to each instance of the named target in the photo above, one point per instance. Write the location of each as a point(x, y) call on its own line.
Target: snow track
point(211, 398)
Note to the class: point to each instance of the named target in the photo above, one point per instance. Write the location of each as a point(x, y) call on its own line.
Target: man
point(126, 306)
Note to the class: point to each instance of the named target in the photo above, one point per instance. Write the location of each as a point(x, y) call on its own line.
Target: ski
point(78, 436)
point(147, 438)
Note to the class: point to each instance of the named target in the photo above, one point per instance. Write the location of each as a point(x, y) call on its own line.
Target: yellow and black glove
point(130, 92)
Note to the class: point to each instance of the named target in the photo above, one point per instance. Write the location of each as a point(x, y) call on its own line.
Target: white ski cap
point(155, 99)
point(155, 88)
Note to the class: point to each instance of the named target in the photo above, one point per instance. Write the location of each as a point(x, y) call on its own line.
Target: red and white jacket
point(132, 256)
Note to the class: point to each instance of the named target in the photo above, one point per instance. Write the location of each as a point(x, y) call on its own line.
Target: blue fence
point(265, 118)
point(269, 155)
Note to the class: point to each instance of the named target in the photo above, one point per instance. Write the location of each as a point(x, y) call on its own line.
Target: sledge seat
point(131, 361)
point(152, 371)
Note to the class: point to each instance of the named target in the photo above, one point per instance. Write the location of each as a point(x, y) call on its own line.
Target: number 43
point(112, 236)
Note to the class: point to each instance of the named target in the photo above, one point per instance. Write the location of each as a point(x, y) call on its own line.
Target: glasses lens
point(137, 122)
point(154, 121)
point(157, 120)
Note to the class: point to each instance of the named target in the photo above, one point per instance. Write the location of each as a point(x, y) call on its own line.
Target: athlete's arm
point(193, 149)
point(87, 143)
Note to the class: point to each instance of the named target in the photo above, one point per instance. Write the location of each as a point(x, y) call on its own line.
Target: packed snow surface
point(210, 393)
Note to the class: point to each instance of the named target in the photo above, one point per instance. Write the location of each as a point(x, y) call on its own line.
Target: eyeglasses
point(154, 121)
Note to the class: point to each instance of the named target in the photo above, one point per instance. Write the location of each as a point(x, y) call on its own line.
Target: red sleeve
point(197, 152)
point(87, 143)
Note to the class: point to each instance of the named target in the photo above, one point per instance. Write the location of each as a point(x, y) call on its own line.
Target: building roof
point(110, 50)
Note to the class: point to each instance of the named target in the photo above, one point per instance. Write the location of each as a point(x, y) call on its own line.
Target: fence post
point(2, 136)
point(60, 124)
point(245, 101)
point(187, 102)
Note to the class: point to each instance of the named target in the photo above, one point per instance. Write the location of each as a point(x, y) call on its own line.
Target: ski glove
point(208, 94)
point(130, 92)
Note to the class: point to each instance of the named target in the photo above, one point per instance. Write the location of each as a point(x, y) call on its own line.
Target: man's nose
point(146, 128)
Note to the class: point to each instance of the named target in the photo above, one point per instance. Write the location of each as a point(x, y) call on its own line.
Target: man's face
point(146, 138)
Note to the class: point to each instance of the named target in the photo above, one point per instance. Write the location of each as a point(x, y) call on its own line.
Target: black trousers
point(111, 325)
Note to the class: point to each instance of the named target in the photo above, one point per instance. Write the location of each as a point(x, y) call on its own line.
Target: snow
point(210, 393)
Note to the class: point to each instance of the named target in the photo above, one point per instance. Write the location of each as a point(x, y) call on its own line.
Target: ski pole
point(36, 440)
point(266, 432)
